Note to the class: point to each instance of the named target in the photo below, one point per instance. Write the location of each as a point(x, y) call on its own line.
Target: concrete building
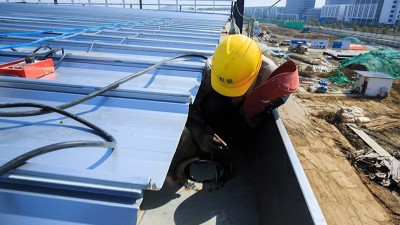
point(390, 12)
point(298, 6)
point(283, 15)
point(375, 84)
point(333, 13)
point(363, 12)
point(261, 12)
point(295, 9)
point(312, 14)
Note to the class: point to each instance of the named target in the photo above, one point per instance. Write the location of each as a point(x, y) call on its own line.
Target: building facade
point(390, 12)
point(296, 8)
point(261, 12)
point(364, 12)
point(337, 2)
point(333, 13)
point(312, 14)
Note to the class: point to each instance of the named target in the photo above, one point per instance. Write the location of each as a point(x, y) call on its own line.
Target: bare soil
point(324, 145)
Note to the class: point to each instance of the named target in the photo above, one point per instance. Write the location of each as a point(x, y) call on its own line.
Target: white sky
point(318, 3)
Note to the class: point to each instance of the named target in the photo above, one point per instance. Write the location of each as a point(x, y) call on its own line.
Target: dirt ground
point(324, 146)
point(287, 34)
point(345, 195)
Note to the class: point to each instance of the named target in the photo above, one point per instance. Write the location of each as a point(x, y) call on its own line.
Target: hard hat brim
point(230, 91)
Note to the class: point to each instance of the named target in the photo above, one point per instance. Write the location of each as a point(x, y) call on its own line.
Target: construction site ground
point(324, 144)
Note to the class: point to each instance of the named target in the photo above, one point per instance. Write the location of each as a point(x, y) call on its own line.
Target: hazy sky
point(318, 3)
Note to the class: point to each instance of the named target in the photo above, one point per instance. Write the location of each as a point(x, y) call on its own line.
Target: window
point(393, 7)
point(392, 11)
point(390, 16)
point(390, 20)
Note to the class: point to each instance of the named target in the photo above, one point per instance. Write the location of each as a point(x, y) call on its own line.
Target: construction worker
point(215, 124)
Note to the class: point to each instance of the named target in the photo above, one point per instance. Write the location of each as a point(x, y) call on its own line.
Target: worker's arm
point(196, 124)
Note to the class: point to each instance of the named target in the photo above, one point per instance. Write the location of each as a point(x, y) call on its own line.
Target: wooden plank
point(375, 146)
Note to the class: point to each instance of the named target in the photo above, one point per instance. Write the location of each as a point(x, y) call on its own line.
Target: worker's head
point(235, 65)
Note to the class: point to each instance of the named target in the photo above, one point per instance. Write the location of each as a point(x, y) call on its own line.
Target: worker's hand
point(210, 143)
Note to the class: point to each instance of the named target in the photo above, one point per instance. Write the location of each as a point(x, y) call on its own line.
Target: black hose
point(102, 133)
point(111, 142)
point(20, 160)
point(95, 93)
point(60, 60)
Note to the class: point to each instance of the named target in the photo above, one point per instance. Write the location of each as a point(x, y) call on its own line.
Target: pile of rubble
point(373, 160)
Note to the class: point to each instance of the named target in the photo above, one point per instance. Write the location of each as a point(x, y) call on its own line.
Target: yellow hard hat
point(235, 65)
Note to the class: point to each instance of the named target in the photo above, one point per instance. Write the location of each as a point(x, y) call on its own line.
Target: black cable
point(60, 60)
point(111, 142)
point(271, 6)
point(102, 133)
point(237, 9)
point(42, 47)
point(95, 93)
point(20, 160)
point(52, 52)
point(37, 55)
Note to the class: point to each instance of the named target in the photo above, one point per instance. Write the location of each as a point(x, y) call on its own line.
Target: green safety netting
point(353, 40)
point(385, 61)
point(294, 25)
point(340, 78)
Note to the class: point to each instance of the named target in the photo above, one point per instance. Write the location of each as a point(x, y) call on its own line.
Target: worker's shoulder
point(267, 61)
point(268, 64)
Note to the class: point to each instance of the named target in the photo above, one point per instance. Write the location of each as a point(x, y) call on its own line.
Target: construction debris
point(381, 123)
point(384, 170)
point(375, 146)
point(379, 165)
point(352, 114)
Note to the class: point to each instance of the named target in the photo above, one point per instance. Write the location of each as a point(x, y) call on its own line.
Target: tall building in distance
point(363, 12)
point(261, 11)
point(299, 6)
point(390, 13)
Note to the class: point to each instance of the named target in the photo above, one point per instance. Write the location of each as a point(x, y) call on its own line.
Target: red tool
point(20, 68)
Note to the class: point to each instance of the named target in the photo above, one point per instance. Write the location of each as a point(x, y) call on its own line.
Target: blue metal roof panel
point(146, 131)
point(146, 115)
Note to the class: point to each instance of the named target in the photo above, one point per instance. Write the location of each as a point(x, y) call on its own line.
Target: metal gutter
point(309, 197)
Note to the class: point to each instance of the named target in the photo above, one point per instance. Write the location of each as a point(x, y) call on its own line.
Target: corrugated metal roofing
point(146, 115)
point(374, 74)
